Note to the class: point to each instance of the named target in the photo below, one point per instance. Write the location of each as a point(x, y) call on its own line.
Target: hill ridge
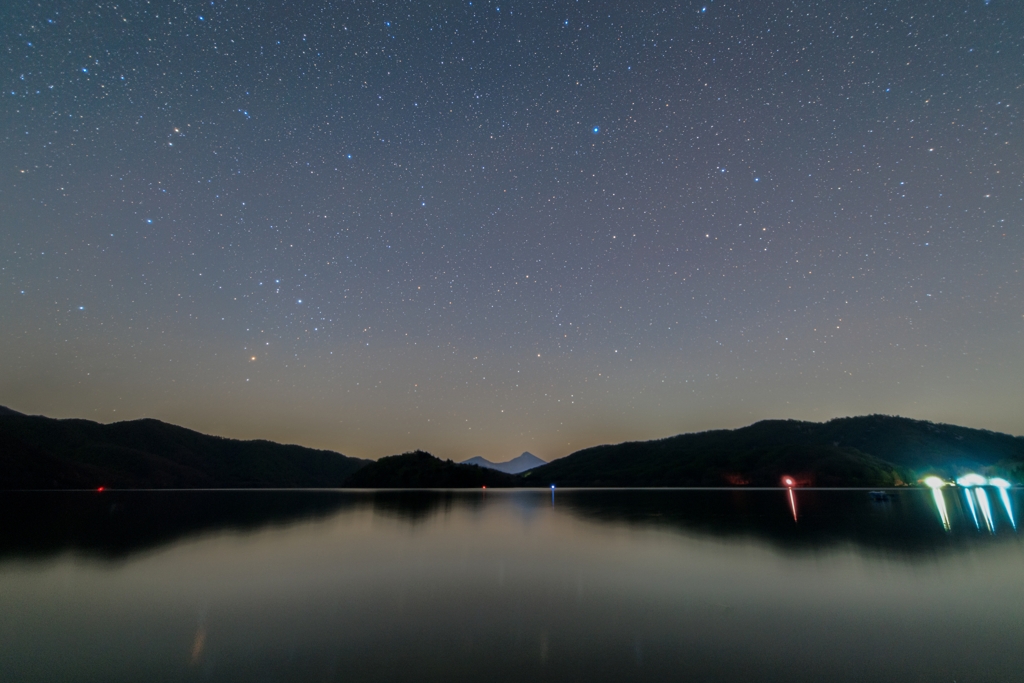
point(870, 450)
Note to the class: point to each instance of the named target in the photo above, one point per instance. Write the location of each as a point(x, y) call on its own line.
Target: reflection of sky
point(484, 588)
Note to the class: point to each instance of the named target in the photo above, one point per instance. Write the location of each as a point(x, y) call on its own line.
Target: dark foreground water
point(673, 585)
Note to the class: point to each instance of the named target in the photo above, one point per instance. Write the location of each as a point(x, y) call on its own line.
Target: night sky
point(479, 228)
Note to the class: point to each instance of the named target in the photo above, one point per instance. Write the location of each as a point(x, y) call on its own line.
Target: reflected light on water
point(789, 483)
point(940, 503)
point(936, 484)
point(1003, 485)
point(972, 508)
point(986, 509)
point(198, 645)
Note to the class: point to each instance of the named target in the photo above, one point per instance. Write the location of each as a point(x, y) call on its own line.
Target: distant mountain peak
point(525, 461)
point(4, 410)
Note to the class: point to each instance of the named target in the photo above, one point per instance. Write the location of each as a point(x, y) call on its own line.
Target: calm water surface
point(580, 585)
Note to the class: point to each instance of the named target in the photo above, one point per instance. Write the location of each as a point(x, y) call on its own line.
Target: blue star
point(595, 130)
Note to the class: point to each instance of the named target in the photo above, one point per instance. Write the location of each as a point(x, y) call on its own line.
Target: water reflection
point(977, 500)
point(1006, 504)
point(986, 509)
point(970, 505)
point(940, 503)
point(611, 585)
point(117, 524)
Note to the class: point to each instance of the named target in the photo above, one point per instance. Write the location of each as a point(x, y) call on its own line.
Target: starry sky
point(479, 228)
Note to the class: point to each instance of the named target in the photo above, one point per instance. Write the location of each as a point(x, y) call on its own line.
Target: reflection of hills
point(118, 523)
point(420, 505)
point(115, 524)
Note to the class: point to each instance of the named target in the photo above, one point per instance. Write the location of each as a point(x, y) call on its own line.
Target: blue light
point(552, 487)
point(595, 130)
point(970, 506)
point(986, 509)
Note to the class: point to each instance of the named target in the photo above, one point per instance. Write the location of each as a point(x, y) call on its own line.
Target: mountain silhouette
point(45, 453)
point(517, 465)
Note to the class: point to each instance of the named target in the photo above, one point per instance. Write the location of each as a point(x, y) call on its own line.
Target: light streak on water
point(792, 502)
point(940, 503)
point(986, 509)
point(974, 510)
point(1006, 504)
point(1003, 485)
point(936, 484)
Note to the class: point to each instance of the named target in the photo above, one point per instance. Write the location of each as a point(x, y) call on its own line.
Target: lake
point(511, 585)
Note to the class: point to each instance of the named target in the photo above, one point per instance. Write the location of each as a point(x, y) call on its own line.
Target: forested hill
point(42, 452)
point(422, 470)
point(874, 450)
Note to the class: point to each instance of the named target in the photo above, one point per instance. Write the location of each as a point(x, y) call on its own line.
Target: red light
point(484, 487)
point(101, 488)
point(788, 482)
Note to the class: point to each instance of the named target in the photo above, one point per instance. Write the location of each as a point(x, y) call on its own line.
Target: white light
point(999, 482)
point(974, 511)
point(934, 482)
point(1006, 504)
point(940, 503)
point(971, 480)
point(986, 509)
